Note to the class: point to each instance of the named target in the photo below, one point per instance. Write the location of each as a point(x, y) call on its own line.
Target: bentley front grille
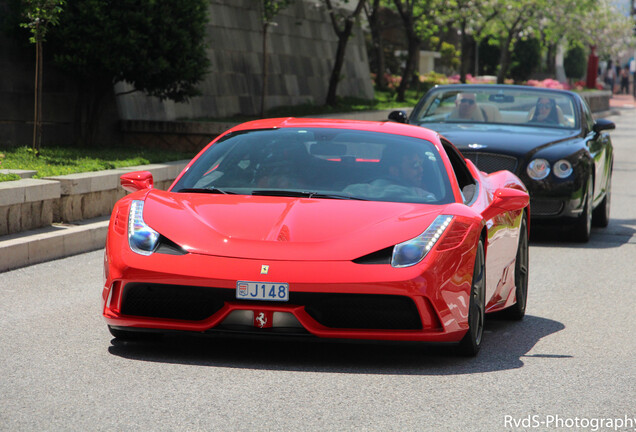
point(544, 207)
point(490, 163)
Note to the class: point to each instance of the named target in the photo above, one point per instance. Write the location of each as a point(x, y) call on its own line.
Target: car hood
point(283, 228)
point(503, 139)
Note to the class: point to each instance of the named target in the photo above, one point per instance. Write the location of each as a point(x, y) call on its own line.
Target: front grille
point(361, 311)
point(544, 207)
point(352, 311)
point(490, 163)
point(173, 301)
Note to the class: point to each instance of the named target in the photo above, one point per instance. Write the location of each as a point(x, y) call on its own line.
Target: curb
point(53, 242)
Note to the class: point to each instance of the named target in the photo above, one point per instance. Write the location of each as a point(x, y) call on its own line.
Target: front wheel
point(471, 342)
point(601, 214)
point(583, 225)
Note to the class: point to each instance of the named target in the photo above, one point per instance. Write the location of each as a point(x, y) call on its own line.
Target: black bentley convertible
point(547, 137)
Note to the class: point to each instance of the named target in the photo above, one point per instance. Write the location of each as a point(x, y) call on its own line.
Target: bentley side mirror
point(603, 124)
point(398, 116)
point(136, 181)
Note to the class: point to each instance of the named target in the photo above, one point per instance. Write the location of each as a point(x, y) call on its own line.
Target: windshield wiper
point(303, 194)
point(211, 190)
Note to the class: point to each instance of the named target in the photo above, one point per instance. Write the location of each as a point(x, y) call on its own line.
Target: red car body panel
point(229, 238)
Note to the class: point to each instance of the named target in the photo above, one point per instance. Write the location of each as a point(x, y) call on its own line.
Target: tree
point(415, 15)
point(40, 15)
point(514, 21)
point(373, 12)
point(269, 9)
point(470, 18)
point(525, 59)
point(342, 22)
point(575, 62)
point(157, 47)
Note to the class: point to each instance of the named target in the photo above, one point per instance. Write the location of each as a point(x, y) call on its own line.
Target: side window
point(467, 183)
point(588, 120)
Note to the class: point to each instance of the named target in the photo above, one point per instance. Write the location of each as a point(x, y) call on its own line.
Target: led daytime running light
point(413, 251)
point(141, 238)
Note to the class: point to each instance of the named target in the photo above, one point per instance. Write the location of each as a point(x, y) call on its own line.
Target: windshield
point(321, 163)
point(497, 105)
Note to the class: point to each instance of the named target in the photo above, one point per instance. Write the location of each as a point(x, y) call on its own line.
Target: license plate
point(272, 291)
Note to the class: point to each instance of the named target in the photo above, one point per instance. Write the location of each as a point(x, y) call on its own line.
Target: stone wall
point(301, 49)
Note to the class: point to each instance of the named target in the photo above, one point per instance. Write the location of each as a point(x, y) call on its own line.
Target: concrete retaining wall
point(33, 203)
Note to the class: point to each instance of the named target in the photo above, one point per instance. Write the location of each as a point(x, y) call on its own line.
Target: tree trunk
point(409, 68)
point(343, 38)
point(264, 74)
point(37, 106)
point(504, 59)
point(463, 48)
point(378, 48)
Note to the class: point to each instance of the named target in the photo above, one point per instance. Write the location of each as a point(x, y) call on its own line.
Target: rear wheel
point(601, 215)
point(583, 226)
point(518, 310)
point(471, 342)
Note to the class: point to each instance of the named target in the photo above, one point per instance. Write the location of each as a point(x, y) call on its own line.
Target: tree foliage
point(575, 62)
point(157, 47)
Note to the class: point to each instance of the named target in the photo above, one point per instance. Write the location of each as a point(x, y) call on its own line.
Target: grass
point(54, 161)
point(383, 100)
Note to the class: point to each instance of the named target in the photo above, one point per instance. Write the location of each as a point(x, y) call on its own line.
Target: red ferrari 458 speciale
point(323, 228)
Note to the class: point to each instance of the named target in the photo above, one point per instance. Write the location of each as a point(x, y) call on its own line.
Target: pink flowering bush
point(548, 83)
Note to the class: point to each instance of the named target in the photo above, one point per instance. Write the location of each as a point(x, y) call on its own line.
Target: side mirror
point(398, 116)
point(136, 181)
point(506, 199)
point(603, 124)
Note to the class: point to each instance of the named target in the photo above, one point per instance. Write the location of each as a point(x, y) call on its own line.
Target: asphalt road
point(569, 365)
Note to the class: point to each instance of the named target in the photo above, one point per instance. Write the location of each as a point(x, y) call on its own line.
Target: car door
point(598, 146)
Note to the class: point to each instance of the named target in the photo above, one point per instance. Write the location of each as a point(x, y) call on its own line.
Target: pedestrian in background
point(610, 76)
point(624, 80)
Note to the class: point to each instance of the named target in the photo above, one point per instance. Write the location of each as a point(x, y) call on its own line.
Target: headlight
point(538, 169)
point(562, 168)
point(141, 238)
point(413, 251)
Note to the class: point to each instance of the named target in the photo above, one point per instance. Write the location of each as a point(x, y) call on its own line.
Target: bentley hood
point(502, 139)
point(283, 228)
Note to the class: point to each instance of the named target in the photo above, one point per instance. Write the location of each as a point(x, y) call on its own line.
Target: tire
point(131, 335)
point(518, 310)
point(583, 225)
point(601, 214)
point(471, 342)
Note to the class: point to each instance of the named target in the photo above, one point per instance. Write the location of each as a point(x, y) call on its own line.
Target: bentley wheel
point(583, 226)
point(601, 215)
point(471, 342)
point(518, 310)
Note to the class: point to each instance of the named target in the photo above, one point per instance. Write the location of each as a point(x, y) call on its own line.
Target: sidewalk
point(622, 101)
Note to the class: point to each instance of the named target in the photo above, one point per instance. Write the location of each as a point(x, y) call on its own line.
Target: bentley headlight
point(141, 238)
point(538, 169)
point(562, 168)
point(412, 251)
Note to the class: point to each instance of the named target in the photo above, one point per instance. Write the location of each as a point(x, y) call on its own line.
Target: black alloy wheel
point(601, 214)
point(471, 342)
point(583, 225)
